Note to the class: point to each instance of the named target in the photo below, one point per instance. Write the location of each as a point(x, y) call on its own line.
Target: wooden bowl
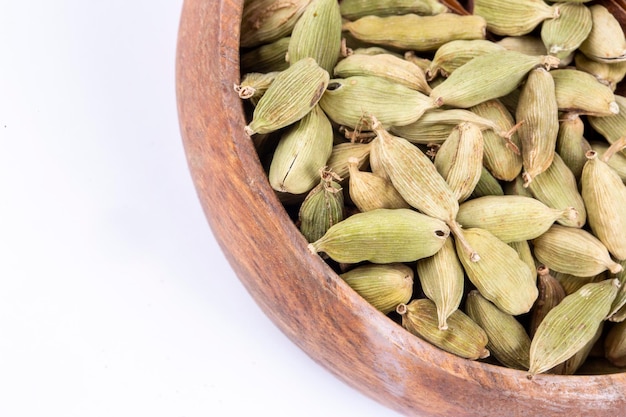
point(301, 294)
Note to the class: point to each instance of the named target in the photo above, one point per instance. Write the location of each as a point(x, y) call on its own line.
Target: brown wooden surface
point(301, 294)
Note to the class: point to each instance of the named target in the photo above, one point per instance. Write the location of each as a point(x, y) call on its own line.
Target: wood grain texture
point(300, 293)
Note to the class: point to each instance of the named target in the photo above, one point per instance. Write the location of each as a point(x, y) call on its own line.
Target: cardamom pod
point(514, 18)
point(442, 279)
point(290, 97)
point(609, 74)
point(571, 145)
point(611, 127)
point(538, 114)
point(551, 293)
point(454, 54)
point(500, 275)
point(265, 21)
point(486, 185)
point(556, 187)
point(511, 218)
point(415, 32)
point(342, 152)
point(604, 195)
point(606, 41)
point(301, 151)
point(355, 9)
point(370, 192)
point(487, 77)
point(317, 34)
point(507, 339)
point(383, 286)
point(581, 92)
point(322, 208)
point(570, 325)
point(463, 337)
point(564, 34)
point(266, 58)
point(573, 251)
point(374, 235)
point(459, 160)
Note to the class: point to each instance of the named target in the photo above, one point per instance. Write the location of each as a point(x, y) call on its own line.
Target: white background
point(115, 300)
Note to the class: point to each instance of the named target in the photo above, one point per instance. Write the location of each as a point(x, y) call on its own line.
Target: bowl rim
point(388, 356)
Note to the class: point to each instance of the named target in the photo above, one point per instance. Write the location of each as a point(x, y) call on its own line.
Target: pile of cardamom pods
point(464, 173)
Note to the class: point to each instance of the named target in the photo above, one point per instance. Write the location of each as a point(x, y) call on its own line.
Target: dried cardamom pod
point(486, 185)
point(374, 235)
point(609, 74)
point(383, 286)
point(301, 151)
point(564, 34)
point(510, 218)
point(606, 41)
point(437, 124)
point(442, 279)
point(556, 187)
point(463, 337)
point(322, 208)
point(580, 92)
point(266, 58)
point(571, 366)
point(459, 160)
point(514, 18)
point(573, 251)
point(355, 9)
point(526, 44)
point(615, 345)
point(551, 293)
point(507, 339)
point(453, 54)
point(538, 114)
point(604, 195)
point(611, 127)
point(338, 160)
point(417, 180)
point(317, 34)
point(487, 77)
point(264, 21)
point(350, 101)
point(571, 145)
point(572, 283)
point(370, 192)
point(387, 66)
point(290, 97)
point(516, 187)
point(523, 251)
point(501, 157)
point(500, 275)
point(569, 326)
point(414, 32)
point(254, 85)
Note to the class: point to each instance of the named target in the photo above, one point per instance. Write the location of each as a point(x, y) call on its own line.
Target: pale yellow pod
point(538, 113)
point(581, 92)
point(370, 192)
point(609, 74)
point(611, 127)
point(571, 145)
point(514, 18)
point(551, 293)
point(564, 34)
point(387, 66)
point(442, 279)
point(527, 44)
point(414, 32)
point(317, 34)
point(556, 187)
point(573, 251)
point(453, 54)
point(617, 161)
point(342, 152)
point(355, 9)
point(606, 41)
point(460, 159)
point(265, 21)
point(487, 185)
point(604, 195)
point(463, 337)
point(501, 154)
point(383, 286)
point(300, 154)
point(500, 275)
